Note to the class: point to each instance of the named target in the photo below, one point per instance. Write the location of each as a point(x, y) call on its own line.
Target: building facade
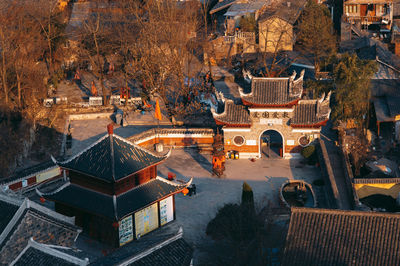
point(114, 191)
point(274, 106)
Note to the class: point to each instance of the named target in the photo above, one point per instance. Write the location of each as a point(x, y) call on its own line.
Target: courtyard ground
point(265, 176)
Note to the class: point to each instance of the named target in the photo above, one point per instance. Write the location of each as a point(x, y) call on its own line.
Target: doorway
point(271, 144)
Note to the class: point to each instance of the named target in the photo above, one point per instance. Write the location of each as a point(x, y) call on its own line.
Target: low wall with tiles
point(191, 137)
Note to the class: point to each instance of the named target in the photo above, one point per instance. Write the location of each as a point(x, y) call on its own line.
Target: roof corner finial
point(110, 129)
point(293, 76)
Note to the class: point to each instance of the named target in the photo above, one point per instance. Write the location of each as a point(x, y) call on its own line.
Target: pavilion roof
point(117, 206)
point(233, 114)
point(273, 91)
point(112, 158)
point(311, 112)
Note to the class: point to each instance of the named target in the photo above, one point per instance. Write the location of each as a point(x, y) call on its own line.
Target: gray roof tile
point(35, 257)
point(233, 114)
point(40, 223)
point(221, 5)
point(112, 158)
point(7, 212)
point(337, 237)
point(274, 91)
point(126, 203)
point(281, 9)
point(310, 112)
point(176, 253)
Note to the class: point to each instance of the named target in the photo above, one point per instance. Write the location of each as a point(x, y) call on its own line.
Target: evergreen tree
point(247, 195)
point(352, 78)
point(316, 36)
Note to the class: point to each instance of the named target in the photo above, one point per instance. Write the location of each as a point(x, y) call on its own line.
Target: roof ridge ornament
point(248, 77)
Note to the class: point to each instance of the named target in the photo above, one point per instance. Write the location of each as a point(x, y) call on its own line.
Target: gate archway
point(271, 144)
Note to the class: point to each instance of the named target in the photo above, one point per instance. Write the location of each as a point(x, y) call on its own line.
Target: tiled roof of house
point(310, 112)
point(35, 257)
point(170, 252)
point(393, 105)
point(120, 206)
point(221, 5)
point(233, 114)
point(286, 10)
point(112, 158)
point(338, 237)
point(273, 91)
point(241, 8)
point(36, 254)
point(8, 208)
point(30, 171)
point(34, 220)
point(175, 253)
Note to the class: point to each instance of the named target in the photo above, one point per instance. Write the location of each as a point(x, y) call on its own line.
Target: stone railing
point(242, 35)
point(245, 35)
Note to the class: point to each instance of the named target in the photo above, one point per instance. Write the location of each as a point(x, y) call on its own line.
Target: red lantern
point(42, 200)
point(185, 191)
point(115, 225)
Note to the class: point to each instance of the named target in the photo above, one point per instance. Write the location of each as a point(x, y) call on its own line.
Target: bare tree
point(163, 47)
point(48, 16)
point(5, 46)
point(94, 44)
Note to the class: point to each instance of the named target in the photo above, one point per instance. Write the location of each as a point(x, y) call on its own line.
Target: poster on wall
point(125, 230)
point(166, 210)
point(146, 220)
point(48, 174)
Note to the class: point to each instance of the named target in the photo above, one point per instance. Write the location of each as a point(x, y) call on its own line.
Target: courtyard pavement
point(193, 213)
point(265, 176)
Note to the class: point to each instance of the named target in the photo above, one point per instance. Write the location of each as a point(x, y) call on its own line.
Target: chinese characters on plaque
point(271, 115)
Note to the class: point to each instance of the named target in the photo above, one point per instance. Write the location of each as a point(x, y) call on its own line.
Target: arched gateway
point(272, 104)
point(271, 144)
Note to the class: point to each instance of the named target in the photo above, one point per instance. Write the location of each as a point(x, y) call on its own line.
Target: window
point(304, 140)
point(238, 140)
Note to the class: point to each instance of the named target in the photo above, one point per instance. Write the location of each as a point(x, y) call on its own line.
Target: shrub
point(247, 195)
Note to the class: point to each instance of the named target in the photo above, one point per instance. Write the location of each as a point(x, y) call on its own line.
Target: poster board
point(48, 174)
point(146, 220)
point(125, 230)
point(166, 210)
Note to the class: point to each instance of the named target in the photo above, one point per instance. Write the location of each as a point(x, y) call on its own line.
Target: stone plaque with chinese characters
point(265, 121)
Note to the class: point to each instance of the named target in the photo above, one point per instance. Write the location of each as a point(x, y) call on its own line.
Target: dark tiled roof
point(35, 257)
point(336, 237)
point(102, 204)
point(221, 5)
point(309, 112)
point(233, 114)
point(29, 171)
point(393, 105)
point(385, 87)
point(112, 158)
point(176, 253)
point(7, 212)
point(281, 10)
point(274, 91)
point(40, 223)
point(37, 254)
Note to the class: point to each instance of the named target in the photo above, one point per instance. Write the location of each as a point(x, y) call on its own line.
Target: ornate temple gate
point(274, 104)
